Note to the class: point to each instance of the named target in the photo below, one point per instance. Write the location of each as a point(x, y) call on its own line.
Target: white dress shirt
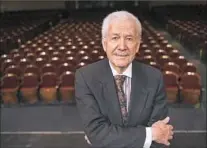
point(127, 91)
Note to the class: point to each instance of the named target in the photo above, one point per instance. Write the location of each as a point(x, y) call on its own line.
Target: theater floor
point(59, 126)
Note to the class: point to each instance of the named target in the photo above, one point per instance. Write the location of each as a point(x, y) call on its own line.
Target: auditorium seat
point(44, 55)
point(191, 87)
point(180, 61)
point(85, 59)
point(81, 64)
point(40, 62)
point(57, 54)
point(189, 67)
point(163, 59)
point(6, 63)
point(56, 61)
point(49, 67)
point(17, 57)
point(171, 85)
point(94, 54)
point(66, 86)
point(156, 65)
point(48, 87)
point(160, 53)
point(69, 53)
point(4, 57)
point(173, 67)
point(65, 67)
point(14, 69)
point(31, 57)
point(29, 88)
point(148, 59)
point(174, 53)
point(9, 88)
point(33, 69)
point(23, 63)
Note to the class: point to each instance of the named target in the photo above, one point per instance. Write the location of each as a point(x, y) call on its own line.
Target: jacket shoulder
point(149, 71)
point(92, 69)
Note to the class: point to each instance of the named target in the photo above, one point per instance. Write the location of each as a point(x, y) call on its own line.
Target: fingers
point(170, 127)
point(166, 120)
point(162, 122)
point(170, 138)
point(158, 123)
point(167, 143)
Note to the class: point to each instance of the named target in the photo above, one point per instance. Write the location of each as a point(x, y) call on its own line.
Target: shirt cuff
point(148, 139)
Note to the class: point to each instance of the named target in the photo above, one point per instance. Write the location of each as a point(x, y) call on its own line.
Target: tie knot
point(120, 79)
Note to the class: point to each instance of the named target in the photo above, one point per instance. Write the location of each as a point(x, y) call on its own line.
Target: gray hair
point(120, 15)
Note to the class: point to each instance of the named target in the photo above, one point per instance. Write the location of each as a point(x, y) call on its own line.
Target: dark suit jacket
point(99, 108)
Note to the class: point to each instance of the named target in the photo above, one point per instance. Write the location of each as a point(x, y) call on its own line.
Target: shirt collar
point(127, 72)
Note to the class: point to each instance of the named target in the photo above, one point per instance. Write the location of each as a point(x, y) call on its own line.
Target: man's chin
point(122, 65)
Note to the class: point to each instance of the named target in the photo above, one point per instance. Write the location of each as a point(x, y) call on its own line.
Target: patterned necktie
point(119, 79)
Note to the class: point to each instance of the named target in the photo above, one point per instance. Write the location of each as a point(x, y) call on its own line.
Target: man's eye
point(129, 39)
point(114, 38)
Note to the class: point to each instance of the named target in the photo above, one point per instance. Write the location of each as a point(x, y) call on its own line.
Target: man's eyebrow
point(115, 34)
point(129, 35)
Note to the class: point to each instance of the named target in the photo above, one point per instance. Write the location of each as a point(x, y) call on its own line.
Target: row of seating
point(188, 27)
point(192, 34)
point(177, 70)
point(27, 26)
point(30, 88)
point(58, 52)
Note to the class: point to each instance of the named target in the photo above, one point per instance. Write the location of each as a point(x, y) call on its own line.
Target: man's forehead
point(126, 32)
point(123, 33)
point(122, 26)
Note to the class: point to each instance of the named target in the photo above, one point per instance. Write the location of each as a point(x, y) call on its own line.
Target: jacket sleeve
point(99, 130)
point(160, 109)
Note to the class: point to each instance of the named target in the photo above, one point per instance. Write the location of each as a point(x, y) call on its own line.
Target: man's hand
point(162, 131)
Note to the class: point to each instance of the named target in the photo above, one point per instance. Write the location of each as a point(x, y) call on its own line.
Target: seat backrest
point(30, 80)
point(48, 67)
point(14, 69)
point(24, 62)
point(170, 79)
point(81, 64)
point(6, 64)
point(180, 60)
point(10, 81)
point(85, 59)
point(189, 67)
point(56, 61)
point(32, 69)
point(65, 67)
point(171, 66)
point(191, 80)
point(67, 79)
point(40, 62)
point(48, 79)
point(31, 57)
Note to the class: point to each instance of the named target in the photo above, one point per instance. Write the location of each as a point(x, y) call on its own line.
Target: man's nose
point(122, 44)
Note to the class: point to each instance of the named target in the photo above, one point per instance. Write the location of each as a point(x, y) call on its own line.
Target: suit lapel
point(109, 92)
point(138, 93)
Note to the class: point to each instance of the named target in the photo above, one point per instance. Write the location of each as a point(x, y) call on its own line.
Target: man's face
point(121, 43)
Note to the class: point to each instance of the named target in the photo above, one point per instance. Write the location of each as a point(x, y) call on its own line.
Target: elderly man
point(122, 103)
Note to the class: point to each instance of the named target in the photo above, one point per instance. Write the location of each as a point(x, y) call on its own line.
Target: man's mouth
point(121, 55)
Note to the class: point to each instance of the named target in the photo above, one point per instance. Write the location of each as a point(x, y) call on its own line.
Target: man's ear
point(138, 45)
point(104, 44)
